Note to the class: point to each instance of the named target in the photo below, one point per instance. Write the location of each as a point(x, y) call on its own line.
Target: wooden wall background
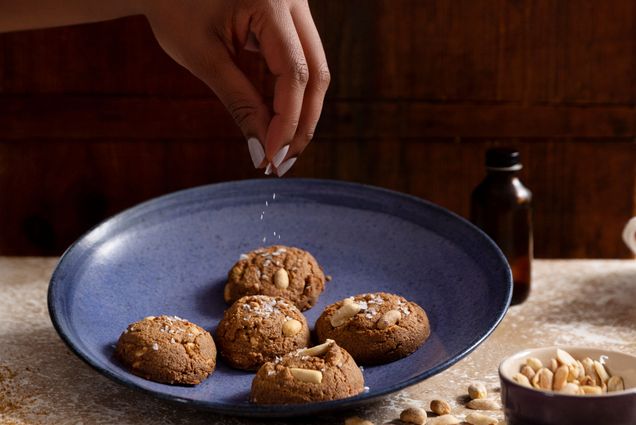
point(96, 118)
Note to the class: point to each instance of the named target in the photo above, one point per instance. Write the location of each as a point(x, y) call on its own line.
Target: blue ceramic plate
point(171, 256)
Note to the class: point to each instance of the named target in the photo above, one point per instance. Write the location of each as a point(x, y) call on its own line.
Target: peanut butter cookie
point(167, 349)
point(375, 328)
point(324, 372)
point(277, 271)
point(258, 328)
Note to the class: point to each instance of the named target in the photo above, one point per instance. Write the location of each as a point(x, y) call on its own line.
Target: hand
point(204, 36)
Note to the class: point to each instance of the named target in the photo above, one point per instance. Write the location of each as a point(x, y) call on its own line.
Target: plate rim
point(288, 410)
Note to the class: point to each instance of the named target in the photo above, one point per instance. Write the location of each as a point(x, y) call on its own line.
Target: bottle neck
point(515, 167)
point(501, 174)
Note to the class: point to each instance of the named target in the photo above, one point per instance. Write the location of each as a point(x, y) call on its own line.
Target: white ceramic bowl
point(527, 406)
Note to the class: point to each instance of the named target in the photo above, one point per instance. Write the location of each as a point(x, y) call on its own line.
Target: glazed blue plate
point(171, 256)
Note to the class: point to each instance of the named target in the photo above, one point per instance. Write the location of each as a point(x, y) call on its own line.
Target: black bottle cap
point(504, 159)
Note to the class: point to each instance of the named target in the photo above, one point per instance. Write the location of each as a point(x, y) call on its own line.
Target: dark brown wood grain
point(96, 118)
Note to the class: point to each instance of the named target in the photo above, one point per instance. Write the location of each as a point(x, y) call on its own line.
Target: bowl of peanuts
point(569, 386)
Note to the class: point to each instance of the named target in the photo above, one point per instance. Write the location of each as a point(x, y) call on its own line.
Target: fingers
point(240, 98)
point(283, 52)
point(319, 78)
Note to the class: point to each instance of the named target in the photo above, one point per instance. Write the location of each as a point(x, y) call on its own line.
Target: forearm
point(16, 15)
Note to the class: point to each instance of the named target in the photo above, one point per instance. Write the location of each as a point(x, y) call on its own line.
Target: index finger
point(283, 52)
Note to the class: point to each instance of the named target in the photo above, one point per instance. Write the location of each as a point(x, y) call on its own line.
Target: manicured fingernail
point(280, 155)
point(268, 169)
point(285, 166)
point(256, 151)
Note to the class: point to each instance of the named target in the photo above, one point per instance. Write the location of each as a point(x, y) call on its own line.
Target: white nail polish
point(280, 155)
point(268, 169)
point(256, 151)
point(285, 166)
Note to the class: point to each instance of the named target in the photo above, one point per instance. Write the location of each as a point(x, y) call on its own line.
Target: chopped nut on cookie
point(374, 328)
point(258, 328)
point(324, 372)
point(277, 271)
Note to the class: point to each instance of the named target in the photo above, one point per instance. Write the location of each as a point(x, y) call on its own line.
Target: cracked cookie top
point(258, 328)
point(323, 372)
point(277, 271)
point(167, 349)
point(375, 328)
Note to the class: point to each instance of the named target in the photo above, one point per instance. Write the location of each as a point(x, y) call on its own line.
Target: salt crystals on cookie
point(404, 309)
point(265, 306)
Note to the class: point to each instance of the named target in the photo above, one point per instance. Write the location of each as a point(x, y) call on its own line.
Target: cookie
point(375, 328)
point(167, 349)
point(258, 328)
point(324, 372)
point(277, 271)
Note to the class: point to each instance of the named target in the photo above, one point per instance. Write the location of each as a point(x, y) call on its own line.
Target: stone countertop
point(574, 302)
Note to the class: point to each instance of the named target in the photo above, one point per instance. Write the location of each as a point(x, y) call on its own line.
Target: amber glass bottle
point(502, 207)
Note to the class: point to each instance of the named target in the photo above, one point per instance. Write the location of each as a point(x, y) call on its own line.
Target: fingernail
point(268, 169)
point(256, 151)
point(285, 166)
point(280, 155)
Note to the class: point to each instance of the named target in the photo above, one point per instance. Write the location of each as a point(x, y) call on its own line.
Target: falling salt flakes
point(263, 216)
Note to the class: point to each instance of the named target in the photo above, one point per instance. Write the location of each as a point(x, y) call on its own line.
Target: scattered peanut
point(570, 388)
point(317, 350)
point(543, 379)
point(355, 420)
point(560, 378)
point(601, 372)
point(477, 390)
point(581, 369)
point(591, 390)
point(563, 357)
point(413, 415)
point(291, 327)
point(588, 380)
point(440, 407)
point(534, 363)
point(480, 419)
point(528, 371)
point(570, 376)
point(588, 366)
point(444, 420)
point(522, 380)
point(483, 404)
point(226, 293)
point(306, 375)
point(615, 383)
point(344, 313)
point(389, 318)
